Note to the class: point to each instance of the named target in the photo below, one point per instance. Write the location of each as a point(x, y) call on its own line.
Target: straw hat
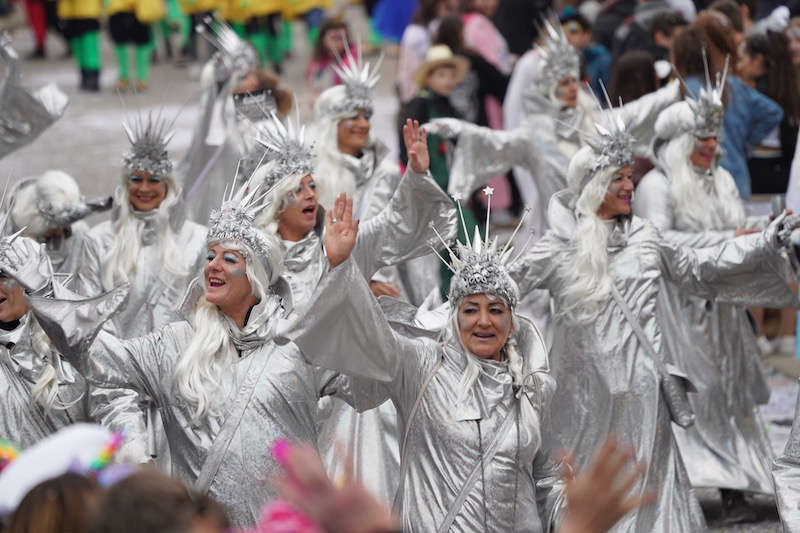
point(440, 55)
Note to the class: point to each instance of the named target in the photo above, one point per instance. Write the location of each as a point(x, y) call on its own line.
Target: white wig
point(120, 260)
point(282, 195)
point(54, 188)
point(45, 391)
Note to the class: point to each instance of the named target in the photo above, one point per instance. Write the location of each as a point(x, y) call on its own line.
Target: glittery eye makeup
point(211, 255)
point(230, 258)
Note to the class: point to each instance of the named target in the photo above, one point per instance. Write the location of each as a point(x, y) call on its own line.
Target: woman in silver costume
point(400, 231)
point(603, 267)
point(470, 395)
point(557, 112)
point(50, 209)
point(225, 388)
point(148, 243)
point(694, 202)
point(41, 391)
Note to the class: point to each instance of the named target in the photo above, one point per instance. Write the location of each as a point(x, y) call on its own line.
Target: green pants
point(86, 50)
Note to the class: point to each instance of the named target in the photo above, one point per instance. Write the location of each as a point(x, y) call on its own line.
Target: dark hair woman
point(762, 63)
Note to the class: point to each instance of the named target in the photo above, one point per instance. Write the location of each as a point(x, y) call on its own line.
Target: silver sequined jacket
point(606, 382)
point(344, 328)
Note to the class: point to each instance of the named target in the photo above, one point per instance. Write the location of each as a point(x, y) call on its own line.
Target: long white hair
point(45, 391)
point(199, 369)
point(120, 260)
point(694, 207)
point(472, 368)
point(587, 285)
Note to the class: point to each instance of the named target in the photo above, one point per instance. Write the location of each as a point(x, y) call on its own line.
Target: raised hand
point(340, 230)
point(416, 141)
point(598, 497)
point(26, 262)
point(380, 288)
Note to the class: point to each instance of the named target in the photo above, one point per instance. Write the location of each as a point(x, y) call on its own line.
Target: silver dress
point(714, 343)
point(786, 475)
point(283, 403)
point(24, 422)
point(398, 232)
point(606, 382)
point(519, 489)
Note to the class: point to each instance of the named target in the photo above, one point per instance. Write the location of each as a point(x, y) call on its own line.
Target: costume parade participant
point(50, 209)
point(401, 231)
point(148, 243)
point(41, 391)
point(470, 395)
point(224, 388)
point(237, 96)
point(24, 115)
point(602, 267)
point(556, 110)
point(695, 202)
point(127, 28)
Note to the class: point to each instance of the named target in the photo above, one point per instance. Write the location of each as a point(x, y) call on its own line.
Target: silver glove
point(779, 231)
point(26, 261)
point(446, 127)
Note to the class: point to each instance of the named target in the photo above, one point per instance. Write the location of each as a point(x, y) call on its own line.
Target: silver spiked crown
point(358, 78)
point(149, 136)
point(707, 106)
point(559, 58)
point(286, 145)
point(478, 266)
point(233, 221)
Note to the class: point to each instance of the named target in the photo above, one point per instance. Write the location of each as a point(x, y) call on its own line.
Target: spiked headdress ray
point(478, 266)
point(707, 106)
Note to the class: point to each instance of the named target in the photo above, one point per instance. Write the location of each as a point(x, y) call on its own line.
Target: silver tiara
point(559, 58)
point(707, 106)
point(477, 266)
point(233, 221)
point(358, 80)
point(149, 136)
point(286, 145)
point(6, 240)
point(611, 140)
point(65, 217)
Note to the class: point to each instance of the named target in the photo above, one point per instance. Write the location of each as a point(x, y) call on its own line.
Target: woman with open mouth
point(694, 202)
point(399, 232)
point(226, 390)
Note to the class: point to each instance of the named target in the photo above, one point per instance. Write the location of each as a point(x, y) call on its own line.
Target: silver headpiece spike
point(559, 58)
point(358, 79)
point(286, 145)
